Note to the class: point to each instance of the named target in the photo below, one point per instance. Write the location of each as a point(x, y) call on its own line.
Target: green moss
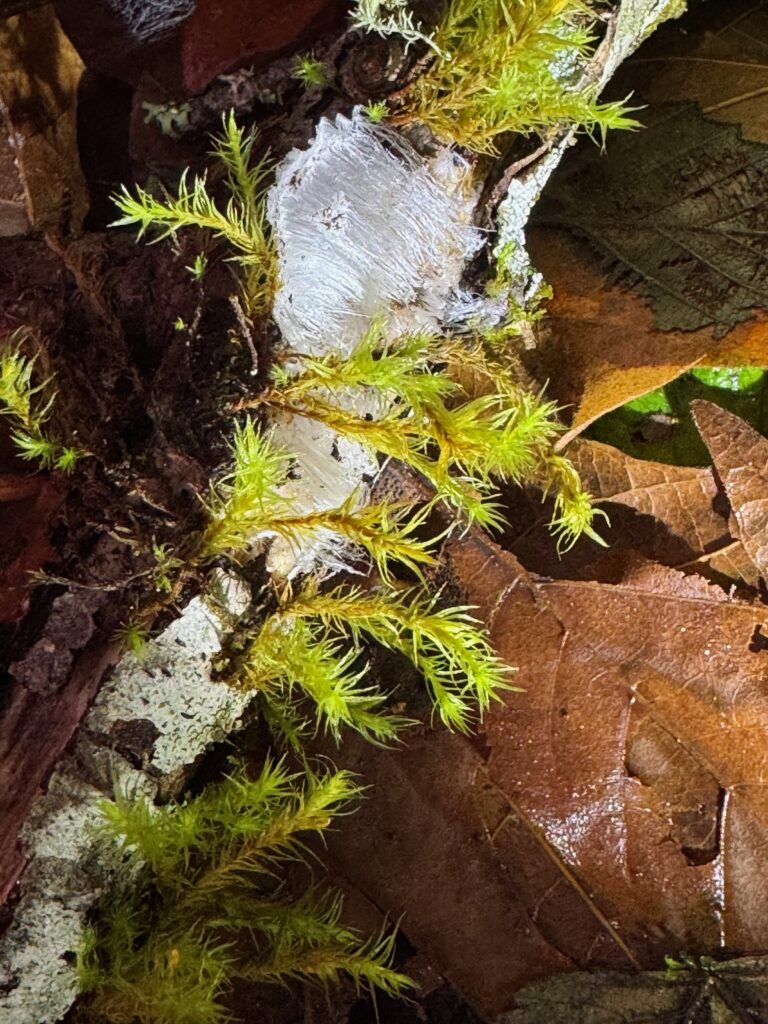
point(312, 646)
point(506, 67)
point(28, 407)
point(310, 71)
point(201, 902)
point(241, 222)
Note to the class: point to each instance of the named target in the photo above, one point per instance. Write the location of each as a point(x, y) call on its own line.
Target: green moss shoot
point(241, 222)
point(24, 405)
point(453, 414)
point(310, 71)
point(200, 902)
point(312, 646)
point(505, 67)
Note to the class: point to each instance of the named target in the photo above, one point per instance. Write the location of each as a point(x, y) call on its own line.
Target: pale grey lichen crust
point(173, 689)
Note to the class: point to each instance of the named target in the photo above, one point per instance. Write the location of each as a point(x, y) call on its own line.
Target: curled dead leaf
point(740, 457)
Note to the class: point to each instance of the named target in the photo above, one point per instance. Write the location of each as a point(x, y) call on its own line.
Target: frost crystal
point(366, 226)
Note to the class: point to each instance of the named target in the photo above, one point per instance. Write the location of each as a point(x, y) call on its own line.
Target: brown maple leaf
point(613, 812)
point(740, 456)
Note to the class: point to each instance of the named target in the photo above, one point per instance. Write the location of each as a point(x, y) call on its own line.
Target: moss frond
point(16, 389)
point(376, 111)
point(242, 222)
point(21, 401)
point(133, 636)
point(575, 513)
point(325, 965)
point(401, 370)
point(312, 645)
point(301, 655)
point(166, 567)
point(202, 903)
point(243, 502)
point(447, 645)
point(458, 418)
point(166, 981)
point(249, 503)
point(247, 179)
point(384, 531)
point(510, 67)
point(192, 206)
point(310, 71)
point(35, 448)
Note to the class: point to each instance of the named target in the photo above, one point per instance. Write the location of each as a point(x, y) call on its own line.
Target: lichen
point(171, 686)
point(173, 689)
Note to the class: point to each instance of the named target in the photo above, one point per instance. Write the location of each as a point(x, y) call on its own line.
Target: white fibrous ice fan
point(365, 228)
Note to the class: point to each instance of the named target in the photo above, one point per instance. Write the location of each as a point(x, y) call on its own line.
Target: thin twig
point(736, 99)
point(501, 187)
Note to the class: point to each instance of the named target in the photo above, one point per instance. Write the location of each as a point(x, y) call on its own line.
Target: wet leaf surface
point(659, 426)
point(218, 37)
point(682, 498)
point(29, 509)
point(611, 813)
point(717, 58)
point(674, 515)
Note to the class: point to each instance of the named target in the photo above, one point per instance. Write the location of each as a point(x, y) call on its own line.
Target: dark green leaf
point(732, 992)
point(680, 207)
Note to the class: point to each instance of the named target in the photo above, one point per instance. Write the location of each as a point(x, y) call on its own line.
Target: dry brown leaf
point(600, 349)
point(682, 498)
point(43, 186)
point(612, 812)
point(671, 514)
point(731, 562)
point(740, 456)
point(717, 58)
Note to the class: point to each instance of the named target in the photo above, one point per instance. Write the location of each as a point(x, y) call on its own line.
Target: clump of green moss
point(200, 902)
point(241, 222)
point(28, 406)
point(462, 438)
point(506, 66)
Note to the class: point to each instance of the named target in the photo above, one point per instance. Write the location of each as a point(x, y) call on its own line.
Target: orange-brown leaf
point(740, 456)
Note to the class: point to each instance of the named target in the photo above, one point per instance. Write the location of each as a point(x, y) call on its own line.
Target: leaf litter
point(614, 812)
